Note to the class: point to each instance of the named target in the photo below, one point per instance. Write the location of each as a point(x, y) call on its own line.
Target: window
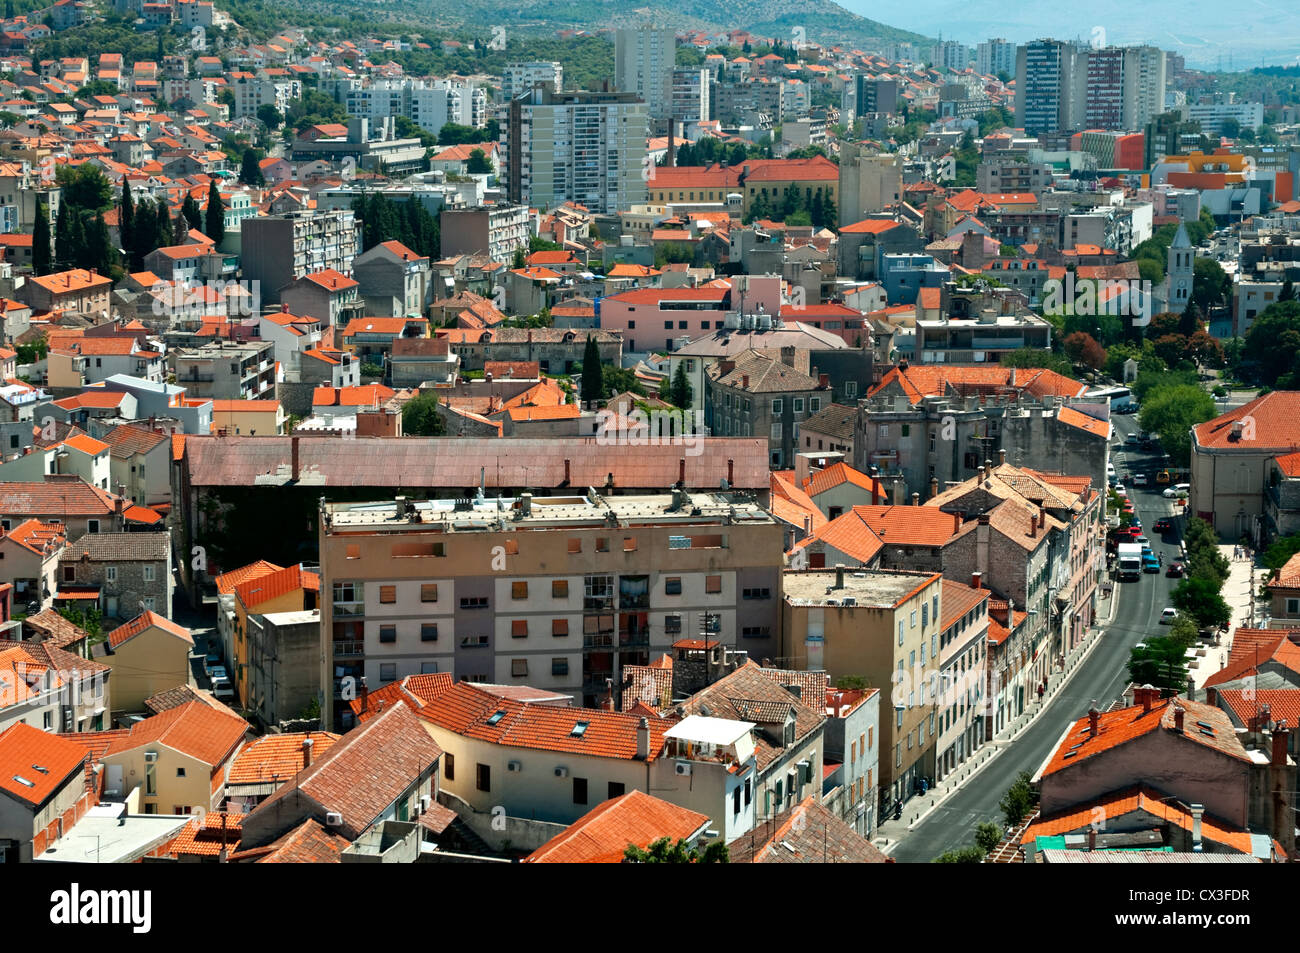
point(602, 544)
point(519, 590)
point(559, 666)
point(776, 430)
point(388, 633)
point(755, 632)
point(712, 584)
point(735, 801)
point(559, 589)
point(672, 624)
point(518, 667)
point(69, 573)
point(473, 602)
point(483, 781)
point(387, 594)
point(148, 602)
point(559, 627)
point(1292, 606)
point(92, 526)
point(519, 629)
point(180, 772)
point(110, 574)
point(148, 572)
point(579, 790)
point(758, 593)
point(449, 766)
point(850, 388)
point(777, 406)
point(900, 633)
point(673, 586)
point(353, 551)
point(49, 720)
point(428, 632)
point(798, 405)
point(388, 672)
point(616, 789)
point(629, 544)
point(429, 592)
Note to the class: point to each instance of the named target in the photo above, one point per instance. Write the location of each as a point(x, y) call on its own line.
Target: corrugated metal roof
point(456, 462)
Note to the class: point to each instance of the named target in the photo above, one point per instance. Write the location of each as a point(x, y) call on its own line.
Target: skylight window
point(23, 781)
point(41, 768)
point(579, 729)
point(496, 717)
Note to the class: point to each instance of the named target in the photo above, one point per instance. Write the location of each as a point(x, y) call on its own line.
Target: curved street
point(1100, 678)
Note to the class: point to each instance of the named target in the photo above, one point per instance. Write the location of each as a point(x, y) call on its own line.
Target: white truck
point(1128, 560)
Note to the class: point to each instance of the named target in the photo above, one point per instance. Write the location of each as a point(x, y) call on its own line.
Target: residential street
point(1101, 678)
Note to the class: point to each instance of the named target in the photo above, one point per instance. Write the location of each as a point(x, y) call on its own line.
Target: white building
point(643, 64)
point(995, 56)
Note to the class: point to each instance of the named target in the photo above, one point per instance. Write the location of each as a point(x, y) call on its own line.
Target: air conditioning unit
point(333, 819)
point(561, 772)
point(514, 766)
point(683, 769)
point(150, 756)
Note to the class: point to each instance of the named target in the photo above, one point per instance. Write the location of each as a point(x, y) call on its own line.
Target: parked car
point(1176, 571)
point(1139, 479)
point(222, 690)
point(1179, 492)
point(1133, 439)
point(1167, 616)
point(218, 674)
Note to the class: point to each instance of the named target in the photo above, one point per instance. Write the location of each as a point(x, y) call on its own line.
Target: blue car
point(1150, 564)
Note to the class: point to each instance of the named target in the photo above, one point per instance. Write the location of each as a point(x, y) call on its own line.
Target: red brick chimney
point(744, 381)
point(1094, 722)
point(1142, 696)
point(365, 696)
point(293, 443)
point(1280, 735)
point(1178, 718)
point(1042, 517)
point(306, 752)
point(975, 579)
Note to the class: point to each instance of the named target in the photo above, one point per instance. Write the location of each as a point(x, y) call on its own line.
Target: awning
point(77, 594)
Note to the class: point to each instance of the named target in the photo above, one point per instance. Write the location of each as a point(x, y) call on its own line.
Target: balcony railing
point(350, 608)
point(344, 649)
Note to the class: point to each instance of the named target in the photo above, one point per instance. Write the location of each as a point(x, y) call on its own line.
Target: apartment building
point(882, 626)
point(226, 370)
point(497, 231)
point(278, 249)
point(517, 78)
point(643, 64)
point(588, 148)
point(995, 56)
point(555, 592)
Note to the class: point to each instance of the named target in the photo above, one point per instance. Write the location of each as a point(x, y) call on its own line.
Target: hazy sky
point(1204, 31)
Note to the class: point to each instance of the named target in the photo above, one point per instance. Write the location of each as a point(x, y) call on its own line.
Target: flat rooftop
point(108, 835)
point(869, 588)
point(592, 510)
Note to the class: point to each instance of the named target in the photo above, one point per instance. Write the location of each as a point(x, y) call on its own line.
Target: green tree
point(420, 417)
point(1021, 798)
point(1162, 662)
point(1280, 552)
point(84, 187)
point(1200, 599)
point(664, 851)
point(478, 163)
point(67, 237)
point(987, 836)
point(1036, 357)
point(681, 393)
point(192, 213)
point(593, 383)
point(962, 855)
point(1273, 344)
point(250, 173)
point(1171, 412)
point(215, 217)
point(126, 219)
point(41, 260)
point(1288, 291)
point(269, 115)
point(1211, 285)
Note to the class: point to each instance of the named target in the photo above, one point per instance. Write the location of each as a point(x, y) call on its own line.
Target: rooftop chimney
point(306, 753)
point(1094, 721)
point(744, 381)
point(643, 739)
point(823, 381)
point(1042, 517)
point(839, 575)
point(294, 451)
point(1002, 457)
point(1144, 697)
point(975, 579)
point(980, 471)
point(526, 504)
point(916, 499)
point(365, 696)
point(934, 487)
point(1178, 718)
point(1198, 811)
point(1279, 744)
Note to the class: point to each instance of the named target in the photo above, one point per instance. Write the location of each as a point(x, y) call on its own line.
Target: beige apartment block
point(881, 626)
point(558, 593)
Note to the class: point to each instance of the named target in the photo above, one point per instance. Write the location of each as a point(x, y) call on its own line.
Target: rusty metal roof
point(458, 462)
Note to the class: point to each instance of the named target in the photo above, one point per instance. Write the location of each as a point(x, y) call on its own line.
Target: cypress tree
point(41, 240)
point(216, 215)
point(126, 218)
point(99, 251)
point(193, 217)
point(250, 173)
point(593, 380)
point(180, 228)
point(1287, 293)
point(64, 253)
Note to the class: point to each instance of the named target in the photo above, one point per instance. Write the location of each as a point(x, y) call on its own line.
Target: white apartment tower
point(995, 56)
point(643, 64)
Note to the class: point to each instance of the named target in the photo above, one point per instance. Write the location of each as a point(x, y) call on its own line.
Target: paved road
point(1101, 678)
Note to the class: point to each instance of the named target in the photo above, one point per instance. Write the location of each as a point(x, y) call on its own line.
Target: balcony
point(349, 649)
point(349, 608)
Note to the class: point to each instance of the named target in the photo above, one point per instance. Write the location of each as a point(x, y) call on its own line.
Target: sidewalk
point(1242, 575)
point(888, 833)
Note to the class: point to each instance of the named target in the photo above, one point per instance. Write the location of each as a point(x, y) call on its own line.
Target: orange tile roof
point(1283, 704)
point(22, 748)
point(558, 412)
point(227, 581)
point(848, 533)
point(870, 226)
point(1116, 806)
point(86, 444)
point(1116, 728)
point(602, 835)
point(465, 710)
point(39, 537)
point(262, 589)
point(196, 729)
point(1274, 424)
point(367, 395)
point(64, 282)
point(415, 690)
point(379, 325)
point(147, 620)
point(204, 836)
point(276, 758)
point(1068, 415)
point(909, 525)
point(1281, 651)
point(838, 474)
point(245, 406)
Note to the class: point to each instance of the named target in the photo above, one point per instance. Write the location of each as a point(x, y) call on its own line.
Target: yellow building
point(176, 762)
point(248, 417)
point(149, 654)
point(283, 590)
